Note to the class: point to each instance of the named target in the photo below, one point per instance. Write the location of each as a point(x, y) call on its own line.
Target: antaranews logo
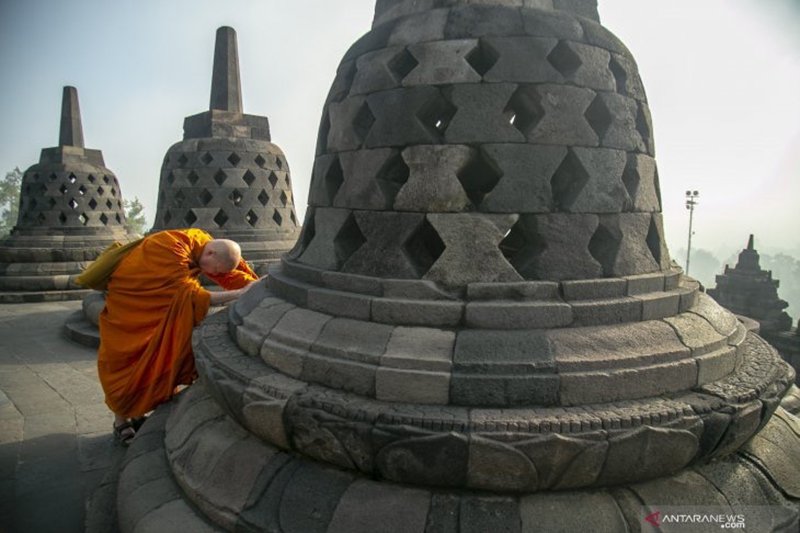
point(692, 519)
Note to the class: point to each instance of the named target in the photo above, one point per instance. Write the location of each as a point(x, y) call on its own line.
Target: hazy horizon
point(721, 78)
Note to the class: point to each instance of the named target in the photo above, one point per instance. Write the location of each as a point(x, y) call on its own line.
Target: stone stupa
point(480, 328)
point(70, 211)
point(225, 176)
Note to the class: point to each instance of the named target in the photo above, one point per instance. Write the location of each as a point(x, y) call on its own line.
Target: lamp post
point(691, 201)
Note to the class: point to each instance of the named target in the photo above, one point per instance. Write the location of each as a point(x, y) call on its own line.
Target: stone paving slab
point(56, 448)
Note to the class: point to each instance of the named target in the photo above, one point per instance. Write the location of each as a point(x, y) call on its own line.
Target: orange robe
point(153, 302)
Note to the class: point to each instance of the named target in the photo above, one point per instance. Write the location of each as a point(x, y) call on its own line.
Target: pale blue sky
point(722, 78)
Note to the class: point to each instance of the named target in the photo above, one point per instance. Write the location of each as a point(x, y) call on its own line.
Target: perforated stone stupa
point(70, 210)
point(480, 328)
point(226, 177)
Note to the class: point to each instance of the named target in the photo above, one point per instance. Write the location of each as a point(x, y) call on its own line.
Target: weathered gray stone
point(480, 114)
point(442, 62)
point(517, 315)
point(522, 290)
point(522, 59)
point(482, 21)
point(391, 508)
point(420, 349)
point(489, 513)
point(311, 498)
point(645, 283)
point(364, 185)
point(563, 121)
point(593, 289)
point(611, 311)
point(696, 333)
point(397, 115)
point(496, 466)
point(383, 254)
point(349, 123)
point(558, 512)
point(373, 71)
point(419, 28)
point(322, 252)
point(659, 304)
point(353, 339)
point(525, 183)
point(412, 386)
point(339, 303)
point(433, 183)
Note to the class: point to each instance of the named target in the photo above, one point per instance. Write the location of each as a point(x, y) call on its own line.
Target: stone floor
point(55, 431)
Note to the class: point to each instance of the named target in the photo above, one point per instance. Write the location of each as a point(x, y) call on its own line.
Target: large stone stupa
point(70, 211)
point(226, 177)
point(480, 328)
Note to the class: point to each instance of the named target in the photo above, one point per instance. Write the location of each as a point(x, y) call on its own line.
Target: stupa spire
point(750, 243)
point(71, 133)
point(226, 87)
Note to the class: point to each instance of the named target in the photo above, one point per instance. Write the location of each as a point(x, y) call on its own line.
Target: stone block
point(390, 508)
point(383, 254)
point(579, 388)
point(397, 115)
point(301, 272)
point(562, 121)
point(321, 251)
point(482, 21)
point(436, 313)
point(257, 325)
point(442, 62)
point(420, 349)
point(481, 114)
point(542, 23)
point(412, 386)
point(346, 118)
point(696, 333)
point(353, 339)
point(720, 319)
point(443, 514)
point(504, 390)
point(645, 283)
point(498, 466)
point(628, 81)
point(373, 71)
point(311, 497)
point(526, 173)
point(779, 462)
point(433, 184)
point(499, 351)
point(265, 420)
point(339, 303)
point(175, 515)
point(489, 513)
point(621, 130)
point(686, 488)
point(517, 315)
point(618, 346)
point(340, 374)
point(420, 27)
point(659, 305)
point(641, 181)
point(592, 70)
point(289, 289)
point(716, 365)
point(299, 328)
point(364, 186)
point(598, 35)
point(341, 281)
point(471, 252)
point(611, 311)
point(593, 289)
point(553, 511)
point(522, 59)
point(602, 190)
point(414, 289)
point(521, 290)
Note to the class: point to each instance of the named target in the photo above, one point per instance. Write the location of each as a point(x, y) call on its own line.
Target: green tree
point(134, 213)
point(9, 200)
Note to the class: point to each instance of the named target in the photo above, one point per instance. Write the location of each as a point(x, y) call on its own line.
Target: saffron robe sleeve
point(153, 302)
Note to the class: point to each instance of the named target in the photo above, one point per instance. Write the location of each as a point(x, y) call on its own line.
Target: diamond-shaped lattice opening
point(306, 235)
point(362, 123)
point(51, 202)
point(234, 158)
point(599, 117)
point(564, 59)
point(279, 162)
point(93, 204)
point(631, 179)
point(220, 218)
point(207, 158)
point(284, 198)
point(104, 219)
point(63, 189)
point(236, 197)
point(620, 76)
point(263, 197)
point(249, 178)
point(524, 110)
point(167, 217)
point(106, 180)
point(53, 177)
point(568, 181)
point(72, 178)
point(193, 177)
point(220, 177)
point(322, 134)
point(182, 160)
point(260, 161)
point(83, 219)
point(179, 198)
point(118, 219)
point(101, 191)
point(170, 178)
point(73, 203)
point(190, 217)
point(273, 179)
point(61, 217)
point(293, 218)
point(276, 216)
point(119, 204)
point(478, 177)
point(32, 203)
point(521, 246)
point(113, 192)
point(251, 218)
point(657, 185)
point(82, 190)
point(482, 58)
point(43, 188)
point(654, 240)
point(109, 204)
point(392, 176)
point(36, 176)
point(206, 197)
point(334, 178)
point(643, 124)
point(402, 64)
point(437, 114)
point(424, 247)
point(348, 239)
point(604, 246)
point(91, 178)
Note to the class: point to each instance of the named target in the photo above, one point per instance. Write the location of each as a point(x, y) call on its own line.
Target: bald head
point(220, 256)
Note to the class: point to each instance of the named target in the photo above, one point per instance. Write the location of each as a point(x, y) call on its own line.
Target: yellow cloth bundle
point(97, 274)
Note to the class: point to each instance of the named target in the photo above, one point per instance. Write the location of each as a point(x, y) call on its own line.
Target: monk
point(153, 302)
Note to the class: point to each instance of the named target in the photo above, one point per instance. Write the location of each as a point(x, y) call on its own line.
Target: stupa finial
point(750, 243)
point(71, 133)
point(226, 88)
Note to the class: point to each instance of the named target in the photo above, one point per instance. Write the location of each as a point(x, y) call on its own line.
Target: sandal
point(124, 433)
